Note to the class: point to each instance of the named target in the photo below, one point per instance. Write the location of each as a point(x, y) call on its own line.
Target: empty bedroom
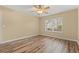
point(39, 28)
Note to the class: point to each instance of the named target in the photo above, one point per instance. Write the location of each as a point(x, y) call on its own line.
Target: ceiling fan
point(40, 9)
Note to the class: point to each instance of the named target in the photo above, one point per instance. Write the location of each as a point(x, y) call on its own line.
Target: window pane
point(54, 25)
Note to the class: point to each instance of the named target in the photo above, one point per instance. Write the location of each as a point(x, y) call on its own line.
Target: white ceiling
point(53, 9)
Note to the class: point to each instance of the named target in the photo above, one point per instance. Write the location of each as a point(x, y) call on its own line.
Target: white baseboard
point(36, 35)
point(17, 39)
point(60, 37)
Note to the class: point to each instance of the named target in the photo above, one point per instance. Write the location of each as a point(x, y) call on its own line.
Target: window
point(54, 25)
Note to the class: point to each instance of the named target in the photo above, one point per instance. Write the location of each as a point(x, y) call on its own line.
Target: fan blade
point(47, 8)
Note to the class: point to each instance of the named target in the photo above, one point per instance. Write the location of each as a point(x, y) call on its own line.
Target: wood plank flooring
point(40, 44)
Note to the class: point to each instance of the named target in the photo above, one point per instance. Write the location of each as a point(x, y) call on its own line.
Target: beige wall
point(78, 24)
point(70, 25)
point(17, 24)
point(0, 27)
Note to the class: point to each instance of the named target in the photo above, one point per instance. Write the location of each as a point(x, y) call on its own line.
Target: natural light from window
point(54, 25)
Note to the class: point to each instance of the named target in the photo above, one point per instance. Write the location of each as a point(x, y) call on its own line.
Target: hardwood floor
point(40, 44)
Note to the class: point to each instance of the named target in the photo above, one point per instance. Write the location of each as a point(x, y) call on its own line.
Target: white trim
point(36, 35)
point(17, 39)
point(61, 37)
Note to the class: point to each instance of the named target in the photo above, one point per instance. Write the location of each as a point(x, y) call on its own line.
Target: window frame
point(57, 19)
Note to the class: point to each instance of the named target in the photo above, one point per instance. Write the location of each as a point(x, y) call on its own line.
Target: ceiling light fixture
point(40, 9)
